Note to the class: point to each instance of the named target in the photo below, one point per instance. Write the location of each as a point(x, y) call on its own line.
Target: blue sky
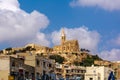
point(94, 24)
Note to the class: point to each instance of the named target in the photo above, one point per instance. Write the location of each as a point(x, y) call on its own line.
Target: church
point(66, 46)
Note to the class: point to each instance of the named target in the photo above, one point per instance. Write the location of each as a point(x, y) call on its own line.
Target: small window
point(65, 66)
point(91, 79)
point(67, 71)
point(37, 62)
point(98, 78)
point(13, 64)
point(44, 65)
point(50, 65)
point(82, 71)
point(20, 65)
point(72, 70)
point(37, 75)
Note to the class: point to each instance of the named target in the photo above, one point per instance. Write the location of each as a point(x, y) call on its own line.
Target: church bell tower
point(63, 37)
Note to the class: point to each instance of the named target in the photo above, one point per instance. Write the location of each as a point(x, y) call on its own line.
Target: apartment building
point(59, 70)
point(72, 71)
point(14, 68)
point(42, 65)
point(97, 73)
point(69, 71)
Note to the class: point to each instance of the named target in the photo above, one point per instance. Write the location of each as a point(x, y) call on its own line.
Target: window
point(44, 65)
point(32, 75)
point(44, 72)
point(13, 64)
point(98, 78)
point(37, 62)
point(82, 71)
point(91, 79)
point(37, 75)
point(67, 71)
point(65, 66)
point(20, 65)
point(72, 70)
point(50, 65)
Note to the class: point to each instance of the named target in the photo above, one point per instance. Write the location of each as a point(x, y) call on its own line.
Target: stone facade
point(103, 63)
point(14, 67)
point(97, 73)
point(67, 46)
point(69, 71)
point(41, 65)
point(40, 49)
point(59, 70)
point(114, 65)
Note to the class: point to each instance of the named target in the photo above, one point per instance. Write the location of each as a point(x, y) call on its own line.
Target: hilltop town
point(66, 60)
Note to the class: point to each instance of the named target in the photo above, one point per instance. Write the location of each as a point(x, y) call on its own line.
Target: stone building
point(116, 67)
point(40, 49)
point(69, 71)
point(66, 46)
point(72, 72)
point(14, 67)
point(97, 73)
point(59, 70)
point(41, 65)
point(103, 63)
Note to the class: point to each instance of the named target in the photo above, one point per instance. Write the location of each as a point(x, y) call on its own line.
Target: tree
point(87, 61)
point(22, 50)
point(28, 48)
point(14, 52)
point(57, 58)
point(77, 63)
point(8, 50)
point(33, 49)
point(1, 51)
point(86, 50)
point(90, 60)
point(96, 57)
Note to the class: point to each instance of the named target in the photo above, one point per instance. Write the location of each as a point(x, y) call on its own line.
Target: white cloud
point(112, 55)
point(41, 37)
point(116, 41)
point(9, 5)
point(86, 38)
point(20, 27)
point(105, 4)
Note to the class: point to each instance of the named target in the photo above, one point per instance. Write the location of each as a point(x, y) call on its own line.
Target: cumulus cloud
point(9, 5)
point(19, 27)
point(112, 55)
point(87, 39)
point(105, 4)
point(116, 41)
